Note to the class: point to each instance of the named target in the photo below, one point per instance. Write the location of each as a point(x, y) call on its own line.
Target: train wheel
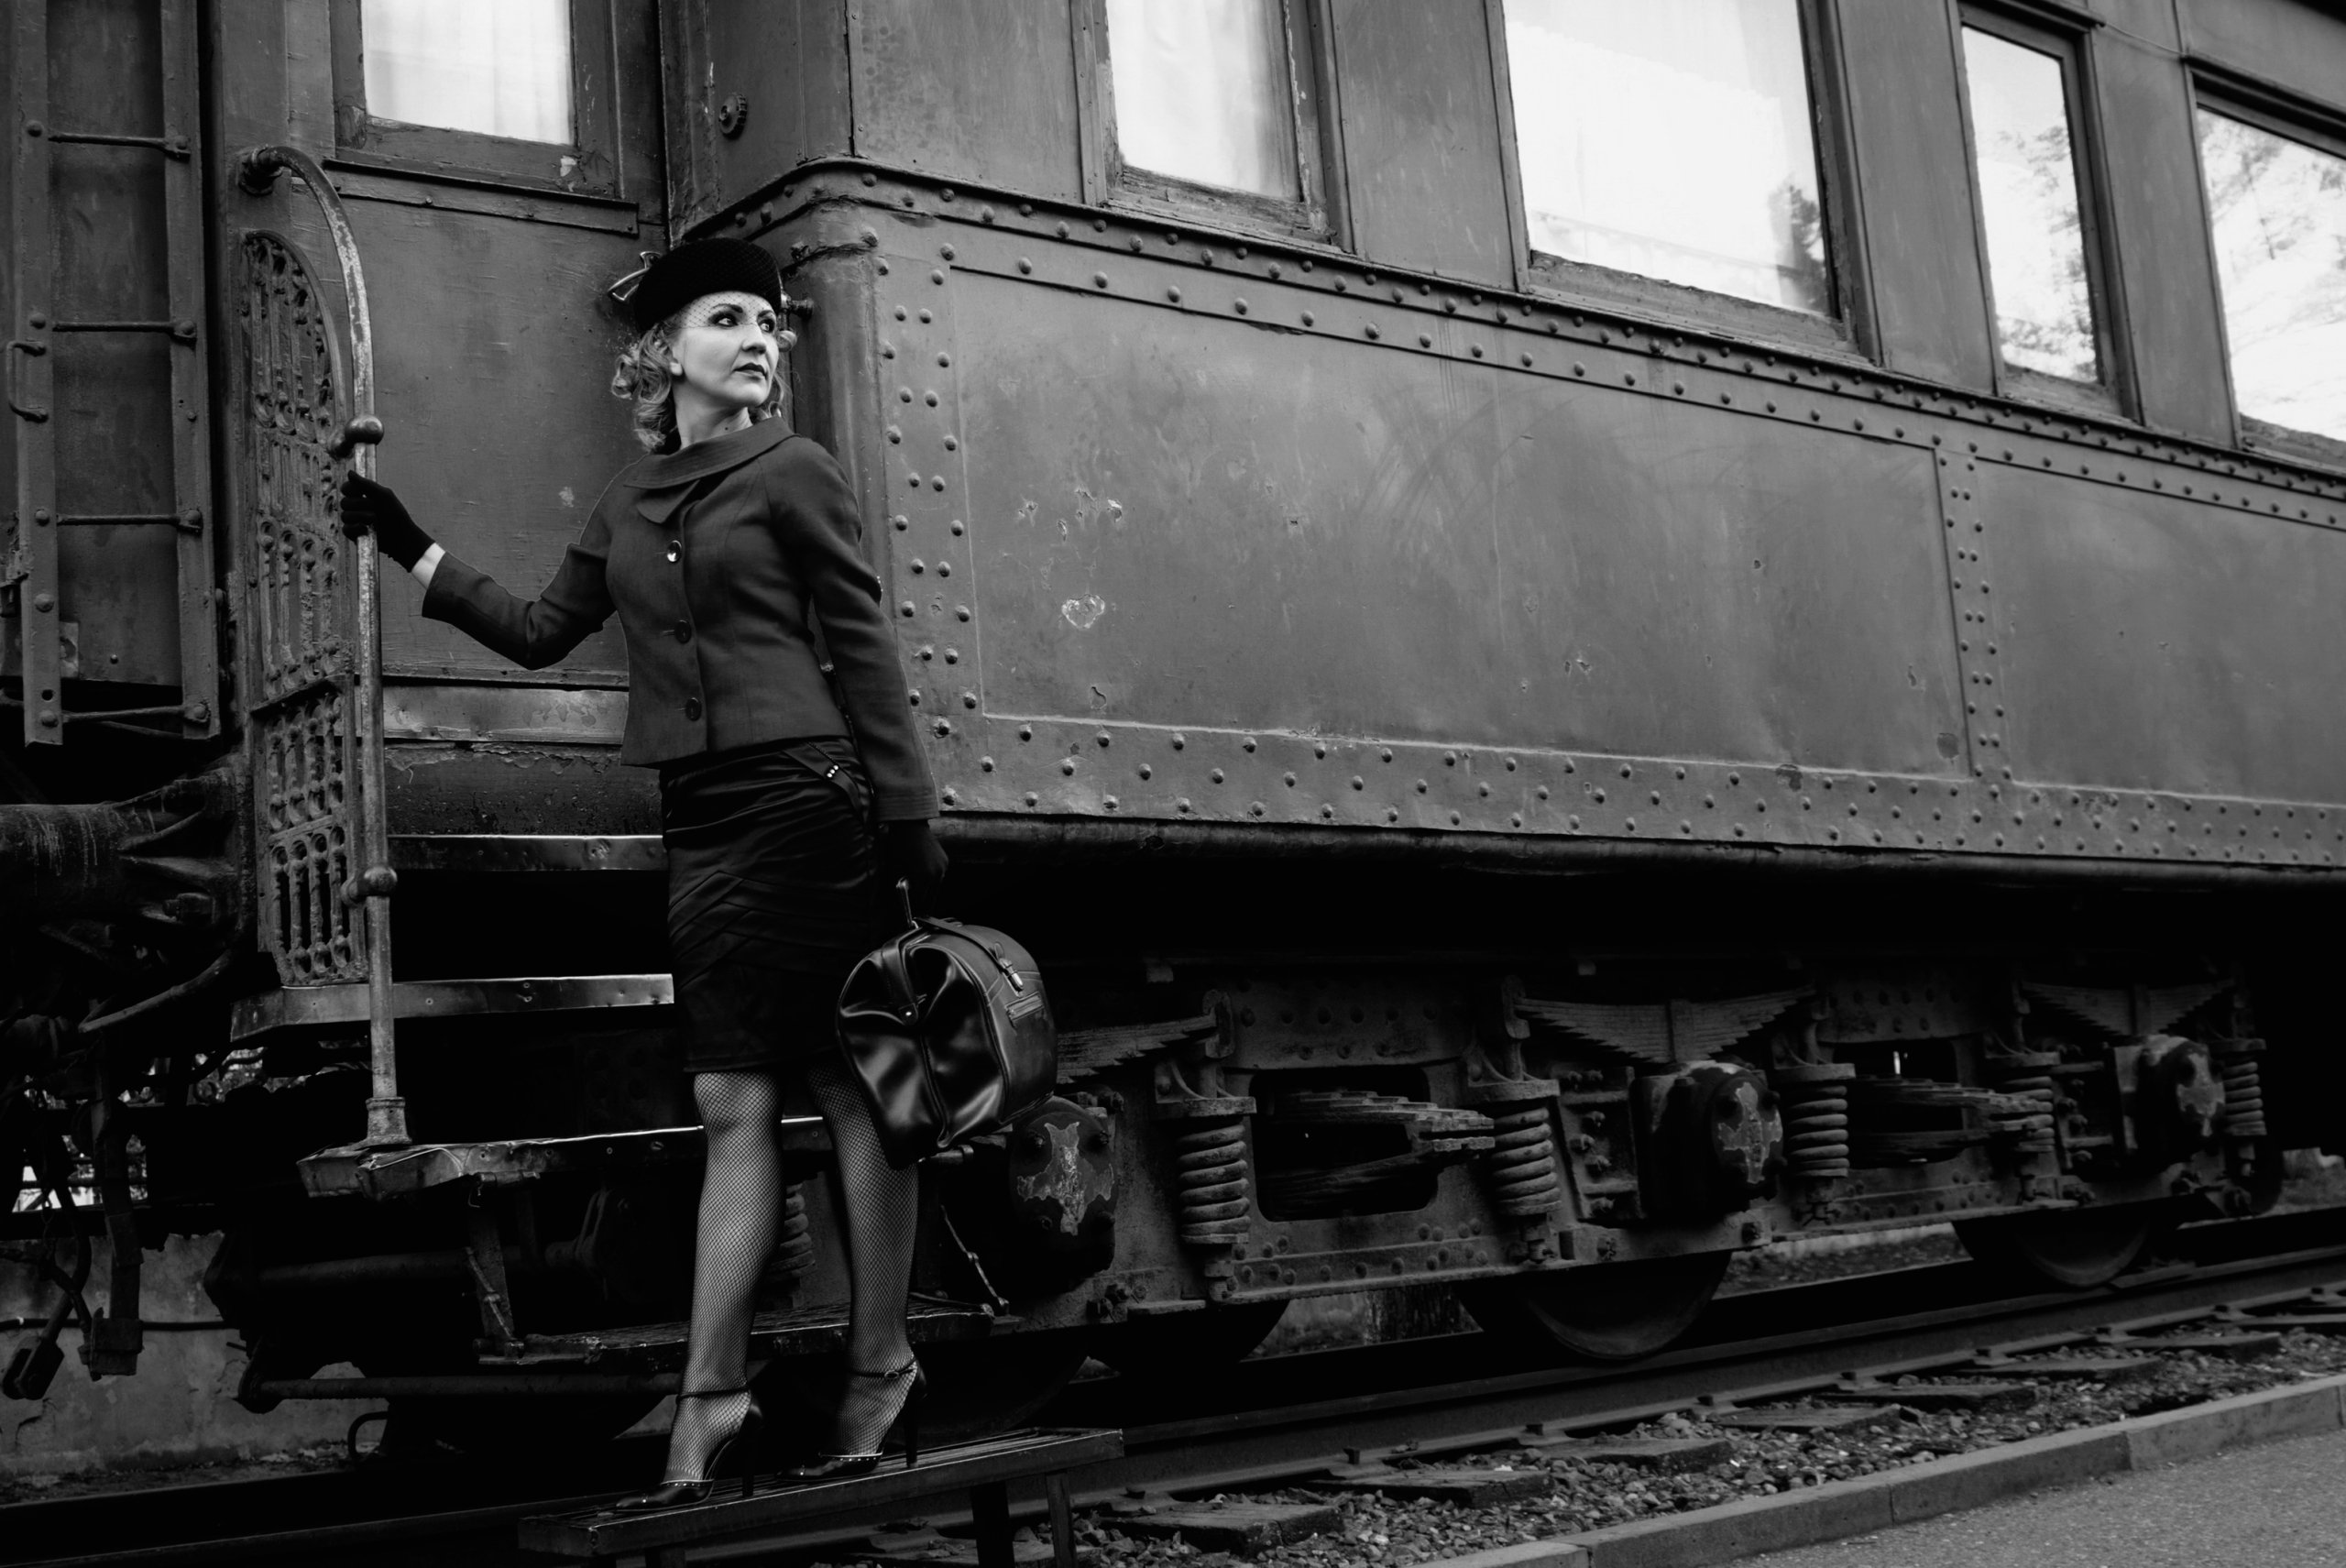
point(975, 1387)
point(2072, 1247)
point(1176, 1345)
point(1614, 1312)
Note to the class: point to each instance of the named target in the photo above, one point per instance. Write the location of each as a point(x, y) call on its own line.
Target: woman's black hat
point(703, 267)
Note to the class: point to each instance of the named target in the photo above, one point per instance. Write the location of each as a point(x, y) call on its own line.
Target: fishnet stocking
point(740, 1204)
point(881, 1207)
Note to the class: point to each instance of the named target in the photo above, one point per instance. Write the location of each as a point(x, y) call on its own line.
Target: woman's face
point(729, 350)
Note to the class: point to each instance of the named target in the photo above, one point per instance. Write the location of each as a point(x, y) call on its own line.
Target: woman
point(732, 554)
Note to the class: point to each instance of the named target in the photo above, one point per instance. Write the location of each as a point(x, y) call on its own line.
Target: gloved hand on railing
point(909, 852)
point(370, 508)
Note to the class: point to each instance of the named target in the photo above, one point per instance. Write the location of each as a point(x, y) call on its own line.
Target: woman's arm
point(533, 633)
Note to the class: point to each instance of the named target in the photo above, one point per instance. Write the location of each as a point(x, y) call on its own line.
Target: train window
point(519, 91)
point(2277, 204)
point(2032, 217)
point(502, 69)
point(1672, 139)
point(1207, 105)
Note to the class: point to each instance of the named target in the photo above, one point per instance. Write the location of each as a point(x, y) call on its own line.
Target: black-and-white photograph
point(1173, 784)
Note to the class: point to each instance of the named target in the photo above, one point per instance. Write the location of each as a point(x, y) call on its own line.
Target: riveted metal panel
point(1929, 300)
point(2159, 641)
point(1220, 428)
point(977, 90)
point(1156, 561)
point(2292, 44)
point(1420, 137)
point(2158, 219)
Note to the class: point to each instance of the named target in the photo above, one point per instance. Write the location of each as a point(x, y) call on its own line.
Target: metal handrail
point(256, 171)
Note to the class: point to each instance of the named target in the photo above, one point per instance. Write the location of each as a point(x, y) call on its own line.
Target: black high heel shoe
point(738, 1446)
point(838, 1466)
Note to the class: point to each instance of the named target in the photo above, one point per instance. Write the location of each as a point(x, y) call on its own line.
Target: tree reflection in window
point(2029, 208)
point(1672, 138)
point(2278, 208)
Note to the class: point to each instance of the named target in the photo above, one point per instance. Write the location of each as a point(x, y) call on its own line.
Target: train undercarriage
point(1569, 1099)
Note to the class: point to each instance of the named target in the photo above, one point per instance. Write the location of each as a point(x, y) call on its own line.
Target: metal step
point(803, 1331)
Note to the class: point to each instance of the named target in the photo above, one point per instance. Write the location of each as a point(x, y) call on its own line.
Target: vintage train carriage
point(1584, 635)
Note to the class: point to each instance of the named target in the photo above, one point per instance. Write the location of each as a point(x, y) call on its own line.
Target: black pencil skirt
point(773, 895)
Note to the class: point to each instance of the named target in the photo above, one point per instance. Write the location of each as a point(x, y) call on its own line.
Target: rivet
point(1309, 319)
point(1024, 265)
point(1174, 294)
point(1216, 775)
point(1100, 279)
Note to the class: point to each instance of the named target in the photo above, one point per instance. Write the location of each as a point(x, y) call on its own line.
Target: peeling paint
point(1083, 614)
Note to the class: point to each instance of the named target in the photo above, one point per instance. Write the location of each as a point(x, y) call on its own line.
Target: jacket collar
point(667, 476)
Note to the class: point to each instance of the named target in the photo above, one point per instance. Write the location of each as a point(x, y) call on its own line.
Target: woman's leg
point(881, 1206)
point(740, 1203)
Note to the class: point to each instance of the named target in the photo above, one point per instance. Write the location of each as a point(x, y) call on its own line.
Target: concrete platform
point(2279, 1505)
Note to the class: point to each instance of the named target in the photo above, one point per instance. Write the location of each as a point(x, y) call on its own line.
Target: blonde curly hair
point(641, 378)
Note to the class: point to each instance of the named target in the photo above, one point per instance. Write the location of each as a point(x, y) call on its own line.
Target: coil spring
point(793, 1246)
point(1816, 1121)
point(1210, 1164)
point(2243, 1096)
point(1522, 1162)
point(2026, 1077)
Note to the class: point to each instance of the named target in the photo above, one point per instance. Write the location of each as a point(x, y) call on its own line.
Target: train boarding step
point(803, 1331)
point(984, 1469)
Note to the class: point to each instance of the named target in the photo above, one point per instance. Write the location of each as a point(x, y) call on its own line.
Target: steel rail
point(257, 168)
point(1262, 1447)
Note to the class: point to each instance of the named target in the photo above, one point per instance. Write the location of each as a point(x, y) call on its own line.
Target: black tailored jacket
point(713, 584)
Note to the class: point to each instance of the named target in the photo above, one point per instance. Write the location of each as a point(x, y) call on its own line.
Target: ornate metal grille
point(298, 621)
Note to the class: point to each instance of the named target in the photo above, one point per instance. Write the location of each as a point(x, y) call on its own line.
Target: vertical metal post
point(989, 1516)
point(191, 378)
point(32, 566)
point(371, 888)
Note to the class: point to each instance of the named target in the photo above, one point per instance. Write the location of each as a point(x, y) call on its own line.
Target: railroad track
point(1285, 1421)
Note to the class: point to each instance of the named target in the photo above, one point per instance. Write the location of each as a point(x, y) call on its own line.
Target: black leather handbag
point(949, 1032)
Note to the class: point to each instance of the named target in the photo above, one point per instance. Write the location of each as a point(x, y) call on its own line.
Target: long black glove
point(370, 508)
point(909, 852)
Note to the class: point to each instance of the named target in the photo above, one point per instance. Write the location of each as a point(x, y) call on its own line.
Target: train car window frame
point(2311, 124)
point(586, 165)
point(2069, 43)
point(1846, 332)
point(1109, 181)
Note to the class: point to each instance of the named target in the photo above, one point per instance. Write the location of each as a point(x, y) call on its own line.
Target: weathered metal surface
point(2297, 47)
point(563, 716)
point(1422, 130)
point(107, 368)
point(319, 1006)
point(505, 488)
point(382, 1173)
point(983, 90)
point(1917, 243)
point(782, 65)
point(2167, 305)
point(536, 787)
point(2184, 644)
point(533, 852)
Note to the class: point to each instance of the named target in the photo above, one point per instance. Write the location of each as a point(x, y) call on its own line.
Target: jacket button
point(675, 550)
point(684, 632)
point(692, 707)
